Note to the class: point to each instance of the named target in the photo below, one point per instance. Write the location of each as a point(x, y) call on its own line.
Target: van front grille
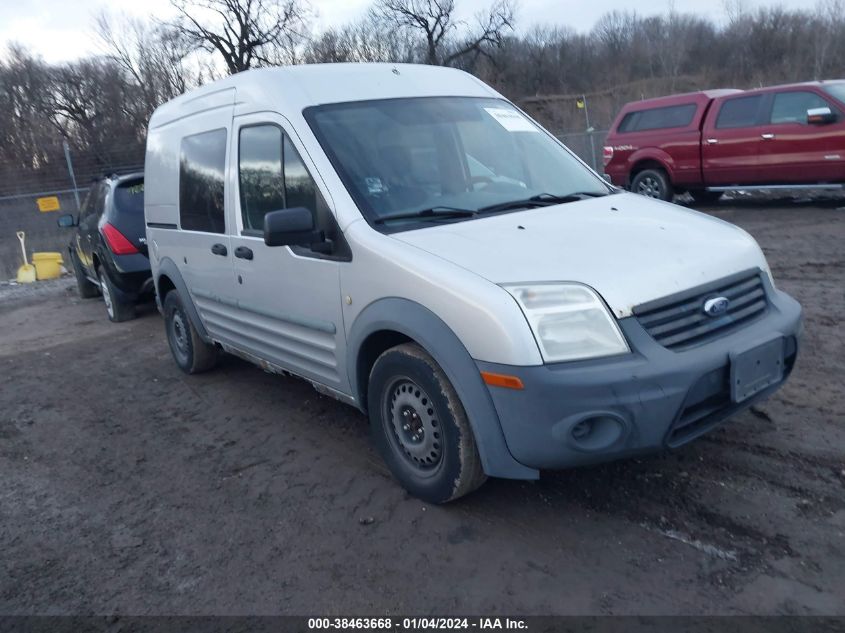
point(680, 321)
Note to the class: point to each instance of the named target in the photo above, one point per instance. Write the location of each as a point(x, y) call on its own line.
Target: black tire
point(191, 353)
point(420, 427)
point(653, 183)
point(702, 196)
point(117, 309)
point(86, 288)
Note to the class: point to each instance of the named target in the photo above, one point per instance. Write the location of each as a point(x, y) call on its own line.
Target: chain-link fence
point(586, 145)
point(32, 201)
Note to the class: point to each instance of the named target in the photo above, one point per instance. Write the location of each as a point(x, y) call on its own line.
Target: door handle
point(768, 136)
point(712, 141)
point(219, 249)
point(243, 252)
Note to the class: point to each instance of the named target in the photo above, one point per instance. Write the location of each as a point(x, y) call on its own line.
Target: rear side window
point(791, 107)
point(658, 118)
point(129, 197)
point(201, 164)
point(739, 112)
point(272, 175)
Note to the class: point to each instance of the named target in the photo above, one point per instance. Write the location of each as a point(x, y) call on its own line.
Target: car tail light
point(118, 244)
point(607, 154)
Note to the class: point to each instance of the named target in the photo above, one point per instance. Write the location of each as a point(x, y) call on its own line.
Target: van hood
point(629, 248)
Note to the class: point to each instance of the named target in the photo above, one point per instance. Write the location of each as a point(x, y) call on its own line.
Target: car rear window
point(129, 197)
point(658, 118)
point(739, 112)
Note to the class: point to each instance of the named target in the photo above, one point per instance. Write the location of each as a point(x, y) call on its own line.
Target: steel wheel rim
point(649, 187)
point(104, 290)
point(179, 334)
point(412, 425)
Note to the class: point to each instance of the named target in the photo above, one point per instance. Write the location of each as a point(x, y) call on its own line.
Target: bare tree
point(246, 33)
point(153, 56)
point(446, 39)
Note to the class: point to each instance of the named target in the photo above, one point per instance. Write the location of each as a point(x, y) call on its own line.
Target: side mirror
point(820, 116)
point(66, 221)
point(290, 227)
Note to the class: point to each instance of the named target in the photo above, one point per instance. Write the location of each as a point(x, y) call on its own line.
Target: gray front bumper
point(648, 400)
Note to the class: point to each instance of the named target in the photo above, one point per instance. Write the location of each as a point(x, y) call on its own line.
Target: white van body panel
point(628, 248)
point(483, 315)
point(453, 270)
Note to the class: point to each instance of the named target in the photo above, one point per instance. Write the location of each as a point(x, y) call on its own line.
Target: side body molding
point(168, 268)
point(428, 330)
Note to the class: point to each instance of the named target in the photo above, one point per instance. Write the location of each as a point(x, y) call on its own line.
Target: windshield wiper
point(432, 213)
point(541, 200)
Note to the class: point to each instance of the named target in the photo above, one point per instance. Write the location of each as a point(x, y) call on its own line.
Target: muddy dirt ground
point(128, 487)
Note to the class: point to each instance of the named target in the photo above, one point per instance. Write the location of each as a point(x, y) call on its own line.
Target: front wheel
point(420, 427)
point(653, 183)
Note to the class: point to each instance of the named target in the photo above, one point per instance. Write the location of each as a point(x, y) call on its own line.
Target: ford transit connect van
point(412, 244)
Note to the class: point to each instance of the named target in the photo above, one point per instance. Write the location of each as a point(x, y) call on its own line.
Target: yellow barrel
point(47, 265)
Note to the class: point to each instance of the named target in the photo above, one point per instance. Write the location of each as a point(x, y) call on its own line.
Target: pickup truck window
point(837, 90)
point(791, 107)
point(658, 118)
point(739, 112)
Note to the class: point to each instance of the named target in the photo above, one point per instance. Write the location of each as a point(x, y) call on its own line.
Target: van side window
point(260, 174)
point(201, 165)
point(272, 175)
point(739, 112)
point(791, 107)
point(300, 190)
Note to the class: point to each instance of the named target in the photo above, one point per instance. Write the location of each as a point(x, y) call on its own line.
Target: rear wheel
point(653, 183)
point(702, 196)
point(117, 309)
point(191, 353)
point(86, 288)
point(420, 427)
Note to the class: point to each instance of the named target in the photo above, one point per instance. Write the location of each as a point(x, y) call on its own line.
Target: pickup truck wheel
point(191, 353)
point(118, 310)
point(653, 183)
point(420, 427)
point(702, 196)
point(87, 289)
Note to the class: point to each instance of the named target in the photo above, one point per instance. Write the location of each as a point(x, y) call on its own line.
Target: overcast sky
point(61, 29)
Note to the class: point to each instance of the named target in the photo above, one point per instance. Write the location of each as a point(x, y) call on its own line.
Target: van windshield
point(448, 158)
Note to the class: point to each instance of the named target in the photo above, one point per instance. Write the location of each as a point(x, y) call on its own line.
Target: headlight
point(569, 321)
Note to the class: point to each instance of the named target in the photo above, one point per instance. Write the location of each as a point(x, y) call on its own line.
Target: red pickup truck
point(713, 141)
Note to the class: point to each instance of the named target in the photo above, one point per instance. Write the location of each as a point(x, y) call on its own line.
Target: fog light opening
point(597, 432)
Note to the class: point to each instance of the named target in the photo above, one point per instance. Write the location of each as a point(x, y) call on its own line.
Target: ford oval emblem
point(716, 306)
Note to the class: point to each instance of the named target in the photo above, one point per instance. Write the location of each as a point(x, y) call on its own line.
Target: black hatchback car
point(109, 247)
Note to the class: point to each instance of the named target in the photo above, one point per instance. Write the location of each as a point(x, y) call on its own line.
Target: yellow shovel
point(26, 273)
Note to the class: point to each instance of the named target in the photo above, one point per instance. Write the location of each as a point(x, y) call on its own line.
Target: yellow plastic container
point(47, 265)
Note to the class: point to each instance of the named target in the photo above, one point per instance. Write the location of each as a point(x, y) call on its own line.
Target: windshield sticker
point(511, 120)
point(375, 186)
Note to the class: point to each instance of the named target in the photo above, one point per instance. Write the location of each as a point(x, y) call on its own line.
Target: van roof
point(294, 88)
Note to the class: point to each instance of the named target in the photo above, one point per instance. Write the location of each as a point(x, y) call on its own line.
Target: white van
point(411, 243)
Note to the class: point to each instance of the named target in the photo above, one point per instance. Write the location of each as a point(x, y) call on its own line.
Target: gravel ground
point(131, 488)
